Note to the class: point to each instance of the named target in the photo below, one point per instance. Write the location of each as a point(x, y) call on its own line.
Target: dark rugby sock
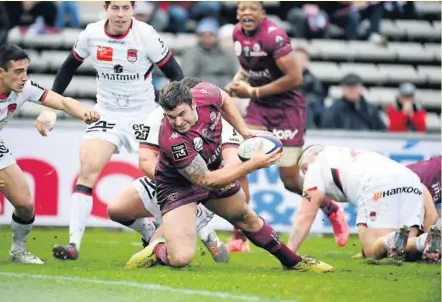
point(238, 234)
point(267, 239)
point(161, 253)
point(328, 206)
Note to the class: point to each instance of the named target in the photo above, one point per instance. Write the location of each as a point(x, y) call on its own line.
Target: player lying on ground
point(138, 200)
point(387, 195)
point(124, 52)
point(189, 172)
point(15, 90)
point(429, 172)
point(270, 76)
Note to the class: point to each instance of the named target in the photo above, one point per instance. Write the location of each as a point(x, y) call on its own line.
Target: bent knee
point(181, 257)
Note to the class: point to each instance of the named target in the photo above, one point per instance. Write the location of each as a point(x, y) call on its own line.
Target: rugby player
point(429, 172)
point(387, 195)
point(189, 171)
point(124, 52)
point(138, 199)
point(15, 90)
point(269, 76)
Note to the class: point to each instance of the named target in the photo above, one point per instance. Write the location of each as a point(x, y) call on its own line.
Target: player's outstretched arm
point(311, 200)
point(232, 115)
point(147, 160)
point(198, 173)
point(71, 107)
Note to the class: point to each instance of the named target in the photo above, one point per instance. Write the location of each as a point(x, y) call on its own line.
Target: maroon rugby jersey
point(257, 55)
point(177, 150)
point(429, 172)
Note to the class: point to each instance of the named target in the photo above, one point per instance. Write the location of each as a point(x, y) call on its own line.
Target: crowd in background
point(213, 59)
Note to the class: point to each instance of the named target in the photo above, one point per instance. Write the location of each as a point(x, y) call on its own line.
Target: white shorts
point(147, 191)
point(230, 137)
point(6, 157)
point(119, 132)
point(391, 203)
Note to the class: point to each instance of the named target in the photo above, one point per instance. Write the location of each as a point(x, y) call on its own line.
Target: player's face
point(15, 78)
point(182, 118)
point(119, 14)
point(249, 14)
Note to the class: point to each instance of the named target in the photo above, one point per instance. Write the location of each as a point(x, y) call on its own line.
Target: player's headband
point(307, 151)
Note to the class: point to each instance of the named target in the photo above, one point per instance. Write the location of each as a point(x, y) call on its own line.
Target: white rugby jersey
point(123, 64)
point(341, 172)
point(32, 92)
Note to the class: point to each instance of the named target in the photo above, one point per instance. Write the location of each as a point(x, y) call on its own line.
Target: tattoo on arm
point(196, 172)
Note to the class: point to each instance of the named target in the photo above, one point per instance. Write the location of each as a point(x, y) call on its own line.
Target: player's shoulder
point(206, 92)
point(237, 30)
point(142, 28)
point(270, 28)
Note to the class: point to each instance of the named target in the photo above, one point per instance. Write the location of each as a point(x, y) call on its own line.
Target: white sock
point(81, 208)
point(19, 233)
point(420, 242)
point(388, 240)
point(143, 226)
point(204, 232)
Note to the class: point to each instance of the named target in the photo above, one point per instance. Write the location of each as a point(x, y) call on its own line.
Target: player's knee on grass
point(181, 250)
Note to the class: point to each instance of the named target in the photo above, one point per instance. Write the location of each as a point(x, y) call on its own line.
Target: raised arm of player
point(231, 114)
point(198, 173)
point(70, 106)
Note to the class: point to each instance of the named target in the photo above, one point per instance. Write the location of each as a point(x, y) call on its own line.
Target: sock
point(328, 206)
point(142, 225)
point(420, 242)
point(81, 208)
point(266, 238)
point(388, 240)
point(438, 222)
point(20, 230)
point(204, 232)
point(238, 234)
point(161, 253)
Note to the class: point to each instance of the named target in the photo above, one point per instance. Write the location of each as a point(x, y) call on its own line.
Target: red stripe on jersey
point(76, 56)
point(229, 145)
point(312, 189)
point(4, 96)
point(150, 147)
point(164, 61)
point(43, 96)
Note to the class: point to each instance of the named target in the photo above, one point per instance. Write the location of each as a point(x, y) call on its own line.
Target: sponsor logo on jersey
point(179, 151)
point(215, 155)
point(398, 190)
point(257, 74)
point(116, 42)
point(285, 134)
point(122, 78)
point(198, 143)
point(105, 53)
point(132, 55)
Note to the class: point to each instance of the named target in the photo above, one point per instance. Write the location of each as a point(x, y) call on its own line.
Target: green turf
point(248, 277)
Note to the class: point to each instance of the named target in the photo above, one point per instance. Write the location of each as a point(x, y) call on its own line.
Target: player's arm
point(232, 115)
point(69, 105)
point(147, 160)
point(431, 214)
point(291, 79)
point(310, 203)
point(198, 173)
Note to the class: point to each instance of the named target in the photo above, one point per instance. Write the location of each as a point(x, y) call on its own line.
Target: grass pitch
point(99, 274)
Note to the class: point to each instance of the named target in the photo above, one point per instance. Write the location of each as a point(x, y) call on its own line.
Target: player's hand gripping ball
point(250, 145)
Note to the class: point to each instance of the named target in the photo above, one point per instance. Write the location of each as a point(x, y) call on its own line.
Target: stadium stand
point(412, 54)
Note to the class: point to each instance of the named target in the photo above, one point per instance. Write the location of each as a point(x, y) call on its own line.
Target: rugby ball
point(251, 144)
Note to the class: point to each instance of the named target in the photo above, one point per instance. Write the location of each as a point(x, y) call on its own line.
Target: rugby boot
point(431, 252)
point(146, 257)
point(216, 247)
point(399, 243)
point(24, 257)
point(65, 252)
point(310, 264)
point(340, 227)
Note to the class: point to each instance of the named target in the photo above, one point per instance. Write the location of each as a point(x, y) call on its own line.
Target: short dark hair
point(174, 94)
point(107, 3)
point(11, 52)
point(190, 82)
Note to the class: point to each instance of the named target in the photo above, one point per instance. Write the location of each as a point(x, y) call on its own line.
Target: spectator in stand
point(149, 12)
point(208, 60)
point(311, 89)
point(180, 12)
point(19, 10)
point(352, 111)
point(308, 20)
point(406, 114)
point(67, 8)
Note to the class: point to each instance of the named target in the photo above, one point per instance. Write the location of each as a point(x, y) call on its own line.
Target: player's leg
point(102, 139)
point(231, 206)
point(133, 205)
point(16, 190)
point(238, 242)
point(176, 249)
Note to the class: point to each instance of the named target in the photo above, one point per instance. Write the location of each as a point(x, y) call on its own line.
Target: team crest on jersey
point(132, 55)
point(12, 108)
